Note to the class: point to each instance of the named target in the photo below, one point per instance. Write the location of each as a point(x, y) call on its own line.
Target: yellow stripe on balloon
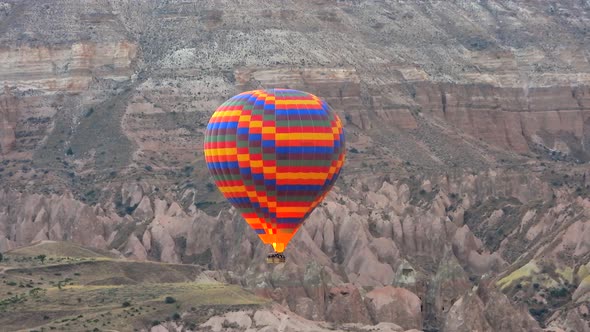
point(219, 114)
point(252, 220)
point(232, 189)
point(300, 176)
point(255, 163)
point(221, 152)
point(296, 209)
point(269, 170)
point(305, 136)
point(296, 102)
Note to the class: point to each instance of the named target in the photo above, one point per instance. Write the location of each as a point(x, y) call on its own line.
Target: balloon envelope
point(274, 154)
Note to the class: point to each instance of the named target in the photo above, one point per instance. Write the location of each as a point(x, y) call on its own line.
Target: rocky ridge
point(467, 126)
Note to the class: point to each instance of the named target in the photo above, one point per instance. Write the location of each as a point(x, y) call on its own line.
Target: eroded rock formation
point(467, 125)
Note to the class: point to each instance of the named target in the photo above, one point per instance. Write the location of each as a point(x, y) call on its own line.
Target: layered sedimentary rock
point(8, 118)
point(448, 107)
point(512, 117)
point(69, 68)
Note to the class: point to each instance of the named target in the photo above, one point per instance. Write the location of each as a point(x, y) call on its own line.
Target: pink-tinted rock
point(486, 309)
point(144, 210)
point(346, 305)
point(397, 305)
point(467, 315)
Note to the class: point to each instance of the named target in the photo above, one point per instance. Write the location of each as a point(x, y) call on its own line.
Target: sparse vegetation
point(538, 313)
point(141, 100)
point(41, 258)
point(558, 292)
point(103, 284)
point(89, 112)
point(230, 325)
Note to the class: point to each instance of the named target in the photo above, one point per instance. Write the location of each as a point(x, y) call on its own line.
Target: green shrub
point(229, 325)
point(558, 292)
point(538, 313)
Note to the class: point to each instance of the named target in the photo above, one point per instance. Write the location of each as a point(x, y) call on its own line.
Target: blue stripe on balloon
point(295, 111)
point(288, 220)
point(230, 125)
point(304, 149)
point(295, 187)
point(268, 144)
point(239, 200)
point(223, 164)
point(222, 125)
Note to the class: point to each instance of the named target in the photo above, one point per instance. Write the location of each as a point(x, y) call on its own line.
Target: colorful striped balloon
point(275, 154)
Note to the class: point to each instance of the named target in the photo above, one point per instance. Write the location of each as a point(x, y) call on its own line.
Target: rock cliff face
point(9, 110)
point(555, 118)
point(468, 129)
point(72, 68)
point(485, 310)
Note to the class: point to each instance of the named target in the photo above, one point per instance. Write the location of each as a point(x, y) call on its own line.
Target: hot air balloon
point(274, 154)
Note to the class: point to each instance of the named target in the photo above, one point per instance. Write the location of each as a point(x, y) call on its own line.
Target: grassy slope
point(60, 249)
point(69, 293)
